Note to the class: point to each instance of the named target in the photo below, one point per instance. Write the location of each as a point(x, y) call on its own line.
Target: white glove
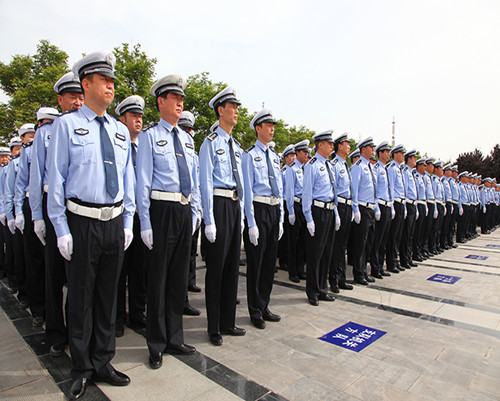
point(129, 236)
point(147, 238)
point(65, 245)
point(291, 219)
point(337, 223)
point(445, 211)
point(253, 234)
point(377, 215)
point(406, 213)
point(210, 232)
point(435, 214)
point(357, 217)
point(426, 210)
point(280, 234)
point(452, 208)
point(20, 221)
point(242, 226)
point(40, 230)
point(417, 214)
point(484, 209)
point(311, 228)
point(198, 220)
point(2, 218)
point(393, 213)
point(461, 211)
point(12, 226)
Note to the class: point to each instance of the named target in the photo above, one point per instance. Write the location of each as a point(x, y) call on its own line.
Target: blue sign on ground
point(493, 246)
point(477, 257)
point(441, 278)
point(353, 336)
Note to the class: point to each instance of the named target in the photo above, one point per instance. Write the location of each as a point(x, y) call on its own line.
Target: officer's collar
point(260, 145)
point(320, 158)
point(165, 124)
point(222, 133)
point(91, 115)
point(364, 159)
point(339, 158)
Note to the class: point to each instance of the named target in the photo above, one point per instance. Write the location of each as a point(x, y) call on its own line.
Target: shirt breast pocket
point(121, 152)
point(224, 164)
point(163, 158)
point(83, 149)
point(260, 171)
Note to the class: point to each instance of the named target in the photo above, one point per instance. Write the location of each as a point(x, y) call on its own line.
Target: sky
point(350, 65)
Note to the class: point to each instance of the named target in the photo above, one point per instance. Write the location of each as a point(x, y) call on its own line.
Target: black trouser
point(362, 235)
point(261, 259)
point(319, 251)
point(427, 235)
point(445, 229)
point(437, 227)
point(337, 272)
point(35, 265)
point(134, 274)
point(192, 258)
point(19, 265)
point(297, 242)
point(382, 228)
point(462, 223)
point(3, 270)
point(395, 232)
point(9, 256)
point(406, 247)
point(453, 225)
point(93, 273)
point(168, 266)
point(283, 244)
point(55, 277)
point(223, 257)
point(418, 236)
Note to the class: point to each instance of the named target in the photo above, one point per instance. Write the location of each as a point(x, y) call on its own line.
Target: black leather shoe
point(369, 279)
point(235, 331)
point(215, 339)
point(182, 349)
point(114, 378)
point(37, 321)
point(194, 288)
point(155, 360)
point(335, 289)
point(413, 264)
point(385, 274)
point(271, 317)
point(393, 270)
point(361, 281)
point(418, 259)
point(454, 246)
point(345, 286)
point(406, 266)
point(313, 301)
point(138, 322)
point(57, 350)
point(77, 389)
point(237, 301)
point(190, 311)
point(302, 276)
point(294, 279)
point(119, 330)
point(259, 323)
point(400, 268)
point(326, 297)
point(377, 275)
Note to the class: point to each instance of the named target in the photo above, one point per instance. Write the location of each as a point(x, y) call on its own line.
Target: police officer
point(353, 157)
point(418, 238)
point(69, 97)
point(186, 122)
point(463, 208)
point(365, 209)
point(294, 189)
point(167, 178)
point(408, 238)
point(91, 205)
point(264, 217)
point(288, 156)
point(437, 186)
point(26, 132)
point(222, 197)
point(455, 194)
point(319, 205)
point(383, 223)
point(448, 197)
point(342, 175)
point(432, 212)
point(399, 197)
point(133, 274)
point(4, 159)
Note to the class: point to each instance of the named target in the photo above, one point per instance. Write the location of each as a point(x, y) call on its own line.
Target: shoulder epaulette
point(212, 136)
point(313, 160)
point(150, 126)
point(376, 165)
point(28, 144)
point(45, 123)
point(283, 169)
point(358, 162)
point(69, 112)
point(15, 157)
point(334, 162)
point(250, 148)
point(273, 151)
point(236, 142)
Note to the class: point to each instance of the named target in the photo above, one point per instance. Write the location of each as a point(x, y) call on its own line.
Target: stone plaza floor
point(442, 342)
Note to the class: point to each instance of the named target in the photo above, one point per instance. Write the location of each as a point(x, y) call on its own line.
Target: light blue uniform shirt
point(76, 168)
point(464, 194)
point(382, 180)
point(409, 183)
point(294, 184)
point(22, 177)
point(38, 171)
point(3, 174)
point(419, 181)
point(455, 192)
point(429, 191)
point(342, 176)
point(256, 178)
point(317, 185)
point(447, 188)
point(216, 170)
point(9, 187)
point(282, 177)
point(437, 188)
point(157, 168)
point(396, 180)
point(364, 183)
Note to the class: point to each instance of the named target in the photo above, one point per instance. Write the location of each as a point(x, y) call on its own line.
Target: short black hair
point(90, 77)
point(164, 96)
point(216, 108)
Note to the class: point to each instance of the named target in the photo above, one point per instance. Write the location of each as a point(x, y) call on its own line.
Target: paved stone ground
point(442, 343)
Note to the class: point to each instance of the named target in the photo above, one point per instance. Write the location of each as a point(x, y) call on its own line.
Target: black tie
point(272, 177)
point(184, 178)
point(350, 178)
point(332, 180)
point(108, 155)
point(134, 154)
point(374, 182)
point(234, 167)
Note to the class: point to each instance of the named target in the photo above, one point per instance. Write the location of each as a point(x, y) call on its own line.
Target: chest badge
point(81, 131)
point(120, 136)
point(163, 142)
point(220, 151)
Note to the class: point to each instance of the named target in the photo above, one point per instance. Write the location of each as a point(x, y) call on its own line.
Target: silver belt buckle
point(184, 200)
point(106, 213)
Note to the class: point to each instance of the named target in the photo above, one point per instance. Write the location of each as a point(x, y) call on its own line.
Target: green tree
point(28, 81)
